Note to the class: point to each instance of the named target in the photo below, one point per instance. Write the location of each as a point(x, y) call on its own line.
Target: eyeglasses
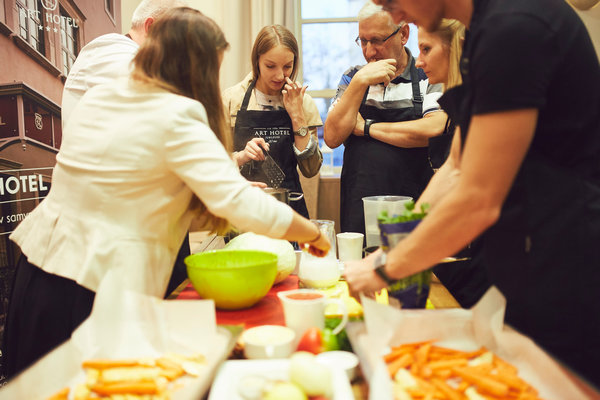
point(375, 42)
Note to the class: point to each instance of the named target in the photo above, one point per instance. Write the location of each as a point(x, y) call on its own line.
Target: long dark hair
point(182, 55)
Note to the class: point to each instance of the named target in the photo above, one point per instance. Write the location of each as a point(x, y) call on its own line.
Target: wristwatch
point(367, 128)
point(303, 131)
point(380, 268)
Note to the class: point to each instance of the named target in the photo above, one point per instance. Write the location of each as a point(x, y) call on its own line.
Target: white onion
point(313, 377)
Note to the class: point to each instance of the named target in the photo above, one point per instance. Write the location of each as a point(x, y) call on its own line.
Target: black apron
point(275, 127)
point(374, 168)
point(544, 251)
point(439, 146)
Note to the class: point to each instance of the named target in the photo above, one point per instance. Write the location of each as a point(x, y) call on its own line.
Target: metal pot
point(284, 195)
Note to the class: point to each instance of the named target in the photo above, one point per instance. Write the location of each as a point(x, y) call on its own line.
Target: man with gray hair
point(384, 112)
point(108, 56)
point(104, 59)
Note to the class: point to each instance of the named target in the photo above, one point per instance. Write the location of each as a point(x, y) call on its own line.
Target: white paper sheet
point(124, 324)
point(455, 328)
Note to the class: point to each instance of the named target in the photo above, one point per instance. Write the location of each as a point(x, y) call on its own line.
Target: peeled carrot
point(483, 382)
point(131, 387)
point(106, 363)
point(401, 362)
point(449, 392)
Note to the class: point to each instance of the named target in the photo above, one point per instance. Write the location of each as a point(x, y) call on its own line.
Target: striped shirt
point(398, 93)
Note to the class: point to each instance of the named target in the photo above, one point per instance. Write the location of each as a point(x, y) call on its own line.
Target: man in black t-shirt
point(525, 170)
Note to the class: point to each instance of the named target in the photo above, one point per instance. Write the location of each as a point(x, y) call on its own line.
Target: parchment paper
point(455, 328)
point(125, 324)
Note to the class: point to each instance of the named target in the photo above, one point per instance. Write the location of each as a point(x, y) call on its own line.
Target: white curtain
point(241, 20)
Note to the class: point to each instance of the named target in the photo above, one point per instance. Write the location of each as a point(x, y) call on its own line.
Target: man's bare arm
point(415, 133)
point(341, 120)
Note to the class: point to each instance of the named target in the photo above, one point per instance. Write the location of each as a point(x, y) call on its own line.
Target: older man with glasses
point(384, 112)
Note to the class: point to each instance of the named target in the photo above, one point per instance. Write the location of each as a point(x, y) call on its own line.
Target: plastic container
point(373, 205)
point(412, 291)
point(234, 279)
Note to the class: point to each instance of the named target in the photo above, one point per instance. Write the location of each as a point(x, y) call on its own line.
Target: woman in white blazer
point(140, 158)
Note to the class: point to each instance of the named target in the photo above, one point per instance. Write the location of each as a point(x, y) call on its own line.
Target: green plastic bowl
point(234, 279)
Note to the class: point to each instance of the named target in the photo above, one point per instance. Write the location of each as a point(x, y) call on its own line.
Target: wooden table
point(439, 297)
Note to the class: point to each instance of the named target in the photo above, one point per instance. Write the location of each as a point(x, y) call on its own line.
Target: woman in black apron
point(281, 123)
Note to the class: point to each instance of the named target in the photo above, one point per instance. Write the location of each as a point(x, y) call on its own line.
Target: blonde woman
point(439, 57)
point(127, 184)
point(270, 111)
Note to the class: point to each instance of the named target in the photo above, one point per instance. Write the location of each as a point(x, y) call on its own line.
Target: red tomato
point(311, 341)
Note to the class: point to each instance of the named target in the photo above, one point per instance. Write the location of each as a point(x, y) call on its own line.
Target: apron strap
point(417, 98)
point(244, 105)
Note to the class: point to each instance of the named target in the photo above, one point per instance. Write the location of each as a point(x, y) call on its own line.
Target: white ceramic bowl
point(268, 341)
point(340, 359)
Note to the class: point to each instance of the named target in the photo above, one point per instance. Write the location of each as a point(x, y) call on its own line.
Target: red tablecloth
point(268, 311)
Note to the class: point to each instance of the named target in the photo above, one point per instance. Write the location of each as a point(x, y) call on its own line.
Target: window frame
point(109, 8)
point(65, 53)
point(32, 24)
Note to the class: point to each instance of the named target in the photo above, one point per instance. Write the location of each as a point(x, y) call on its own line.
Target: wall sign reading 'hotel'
point(51, 21)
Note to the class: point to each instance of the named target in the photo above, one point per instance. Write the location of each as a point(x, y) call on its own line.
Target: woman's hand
point(293, 95)
point(361, 278)
point(317, 247)
point(252, 151)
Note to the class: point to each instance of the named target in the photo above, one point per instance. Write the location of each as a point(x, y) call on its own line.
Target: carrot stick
point(131, 387)
point(402, 362)
point(483, 382)
point(396, 353)
point(449, 392)
point(446, 364)
point(106, 363)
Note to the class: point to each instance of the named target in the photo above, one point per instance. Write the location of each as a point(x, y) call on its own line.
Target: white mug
point(305, 308)
point(350, 245)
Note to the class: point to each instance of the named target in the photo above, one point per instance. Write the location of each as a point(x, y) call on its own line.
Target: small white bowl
point(268, 341)
point(340, 359)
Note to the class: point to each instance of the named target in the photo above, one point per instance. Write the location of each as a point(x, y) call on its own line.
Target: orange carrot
point(401, 362)
point(106, 363)
point(448, 391)
point(130, 387)
point(483, 382)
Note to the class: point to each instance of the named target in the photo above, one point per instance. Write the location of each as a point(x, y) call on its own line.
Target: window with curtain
point(68, 39)
point(30, 23)
point(328, 29)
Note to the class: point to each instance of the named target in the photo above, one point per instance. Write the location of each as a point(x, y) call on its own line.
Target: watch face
point(302, 131)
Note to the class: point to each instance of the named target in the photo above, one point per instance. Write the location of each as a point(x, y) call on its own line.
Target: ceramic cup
point(305, 308)
point(350, 245)
point(268, 341)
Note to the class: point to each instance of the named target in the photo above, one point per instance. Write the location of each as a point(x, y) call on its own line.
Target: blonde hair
point(181, 54)
point(153, 9)
point(452, 34)
point(271, 36)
